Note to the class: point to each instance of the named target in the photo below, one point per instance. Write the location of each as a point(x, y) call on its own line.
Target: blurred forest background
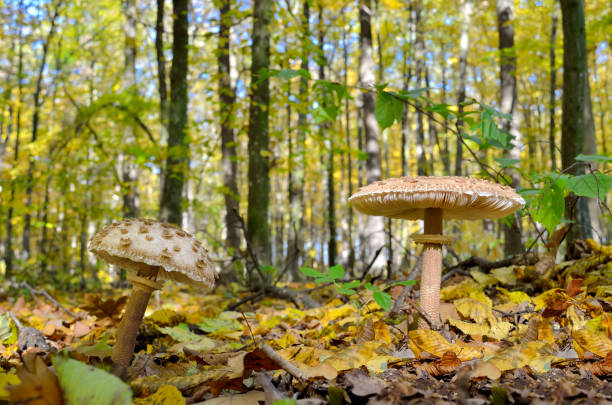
point(203, 113)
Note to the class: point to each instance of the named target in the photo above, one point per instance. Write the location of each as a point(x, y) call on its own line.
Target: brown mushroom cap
point(458, 197)
point(136, 244)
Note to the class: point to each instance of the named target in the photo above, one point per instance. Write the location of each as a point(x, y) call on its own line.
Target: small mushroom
point(433, 199)
point(148, 251)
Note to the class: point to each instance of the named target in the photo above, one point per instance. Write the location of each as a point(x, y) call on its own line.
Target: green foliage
point(84, 384)
point(549, 205)
point(593, 185)
point(335, 273)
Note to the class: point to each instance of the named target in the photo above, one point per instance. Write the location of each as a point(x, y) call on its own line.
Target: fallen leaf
point(165, 395)
point(425, 340)
point(39, 386)
point(585, 340)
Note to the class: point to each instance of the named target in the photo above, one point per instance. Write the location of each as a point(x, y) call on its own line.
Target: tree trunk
point(229, 164)
point(552, 144)
point(464, 47)
point(27, 218)
point(350, 263)
point(327, 133)
point(419, 47)
point(509, 99)
point(8, 246)
point(375, 227)
point(258, 147)
point(572, 123)
point(297, 164)
point(129, 168)
point(178, 142)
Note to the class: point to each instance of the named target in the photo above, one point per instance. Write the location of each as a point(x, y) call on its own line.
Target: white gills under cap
point(458, 197)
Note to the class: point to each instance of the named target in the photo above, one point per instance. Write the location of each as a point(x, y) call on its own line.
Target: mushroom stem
point(432, 267)
point(130, 322)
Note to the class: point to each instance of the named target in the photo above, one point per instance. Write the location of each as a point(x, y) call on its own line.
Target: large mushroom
point(149, 250)
point(433, 199)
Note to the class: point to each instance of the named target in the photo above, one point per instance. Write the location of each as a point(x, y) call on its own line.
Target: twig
point(253, 297)
point(282, 362)
point(367, 269)
point(33, 291)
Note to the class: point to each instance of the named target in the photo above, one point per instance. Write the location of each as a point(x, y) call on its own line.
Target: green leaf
point(361, 155)
point(387, 109)
point(593, 158)
point(180, 333)
point(345, 291)
point(221, 324)
point(336, 271)
point(549, 206)
point(286, 401)
point(84, 384)
point(383, 299)
point(405, 282)
point(593, 185)
point(8, 334)
point(100, 349)
point(504, 162)
point(352, 284)
point(311, 272)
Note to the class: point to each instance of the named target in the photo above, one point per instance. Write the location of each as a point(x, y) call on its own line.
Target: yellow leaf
point(576, 320)
point(466, 289)
point(7, 379)
point(597, 343)
point(505, 275)
point(425, 340)
point(483, 279)
point(549, 297)
point(476, 310)
point(285, 341)
point(469, 328)
point(537, 355)
point(381, 332)
point(516, 297)
point(165, 395)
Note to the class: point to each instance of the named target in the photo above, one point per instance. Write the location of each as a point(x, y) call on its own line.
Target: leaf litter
point(515, 334)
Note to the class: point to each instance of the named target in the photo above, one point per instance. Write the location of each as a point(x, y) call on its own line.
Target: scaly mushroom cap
point(137, 244)
point(458, 197)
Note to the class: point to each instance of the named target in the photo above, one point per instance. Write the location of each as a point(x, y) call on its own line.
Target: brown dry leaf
point(39, 386)
point(248, 398)
point(539, 329)
point(573, 287)
point(586, 340)
point(484, 369)
point(363, 384)
point(600, 368)
point(425, 340)
point(109, 308)
point(80, 329)
point(446, 365)
point(366, 332)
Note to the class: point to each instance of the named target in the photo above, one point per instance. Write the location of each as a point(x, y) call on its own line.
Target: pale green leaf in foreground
point(83, 384)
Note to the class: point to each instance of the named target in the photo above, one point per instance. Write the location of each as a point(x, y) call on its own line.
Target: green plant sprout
point(336, 273)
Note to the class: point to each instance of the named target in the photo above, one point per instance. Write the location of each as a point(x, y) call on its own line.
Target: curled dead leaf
point(600, 368)
point(446, 365)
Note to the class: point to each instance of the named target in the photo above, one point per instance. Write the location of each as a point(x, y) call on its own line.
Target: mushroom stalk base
point(431, 274)
point(129, 325)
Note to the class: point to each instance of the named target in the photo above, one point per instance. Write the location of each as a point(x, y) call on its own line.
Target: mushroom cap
point(139, 244)
point(458, 197)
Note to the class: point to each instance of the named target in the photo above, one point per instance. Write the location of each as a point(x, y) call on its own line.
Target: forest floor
point(517, 334)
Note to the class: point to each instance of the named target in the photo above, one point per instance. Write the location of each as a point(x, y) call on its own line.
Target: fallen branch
point(282, 362)
point(488, 265)
point(34, 291)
